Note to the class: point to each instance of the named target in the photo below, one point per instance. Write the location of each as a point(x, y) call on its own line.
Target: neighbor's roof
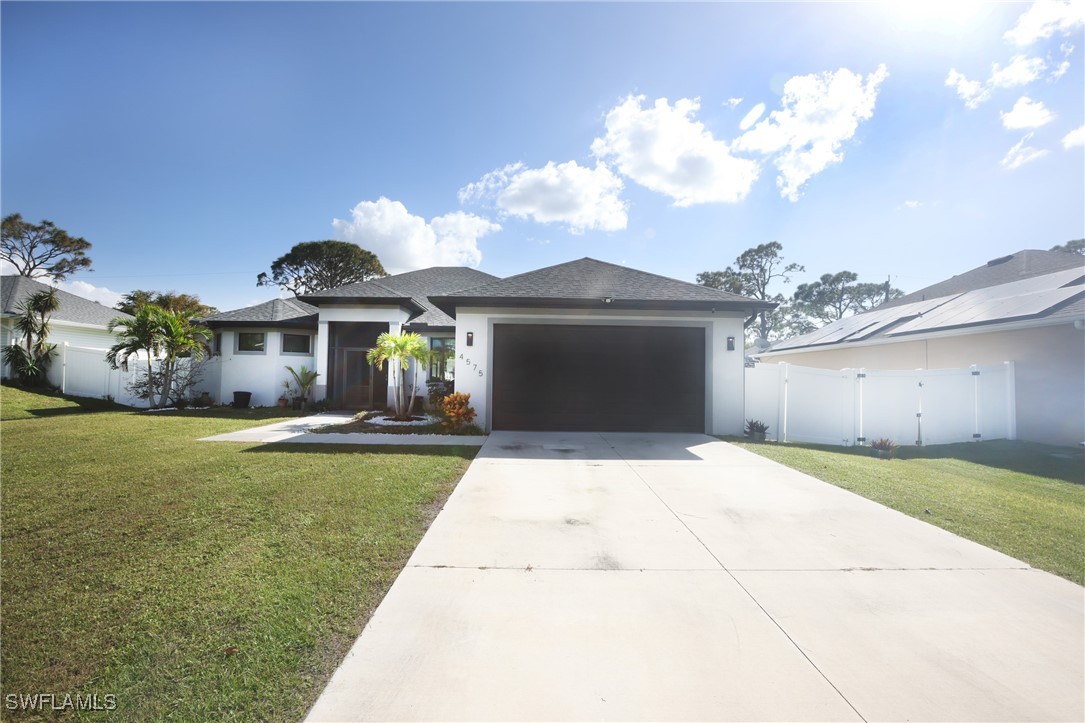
point(1021, 265)
point(1042, 299)
point(15, 289)
point(587, 283)
point(412, 290)
point(277, 312)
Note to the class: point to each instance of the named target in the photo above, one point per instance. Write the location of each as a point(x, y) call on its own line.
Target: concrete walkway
point(676, 577)
point(298, 431)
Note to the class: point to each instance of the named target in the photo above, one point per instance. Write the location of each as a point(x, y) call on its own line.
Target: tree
point(30, 363)
point(187, 304)
point(317, 265)
point(1072, 247)
point(835, 296)
point(159, 333)
point(867, 296)
point(42, 249)
point(398, 350)
point(754, 271)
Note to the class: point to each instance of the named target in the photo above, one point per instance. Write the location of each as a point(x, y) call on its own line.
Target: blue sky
point(193, 143)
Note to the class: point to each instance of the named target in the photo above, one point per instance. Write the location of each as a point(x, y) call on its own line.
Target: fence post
point(783, 401)
point(1011, 401)
point(64, 369)
point(860, 435)
point(976, 402)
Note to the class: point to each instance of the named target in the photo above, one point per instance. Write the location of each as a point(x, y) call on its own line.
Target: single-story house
point(1028, 308)
point(584, 345)
point(79, 322)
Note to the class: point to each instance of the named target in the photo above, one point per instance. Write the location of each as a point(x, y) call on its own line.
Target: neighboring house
point(584, 345)
point(79, 322)
point(1028, 308)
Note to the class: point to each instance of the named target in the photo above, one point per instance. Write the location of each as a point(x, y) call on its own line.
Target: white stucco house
point(1027, 308)
point(78, 322)
point(583, 345)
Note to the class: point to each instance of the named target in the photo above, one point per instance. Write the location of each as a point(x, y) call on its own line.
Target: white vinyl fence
point(84, 372)
point(858, 406)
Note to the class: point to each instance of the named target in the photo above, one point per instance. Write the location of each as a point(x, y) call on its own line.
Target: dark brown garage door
point(599, 378)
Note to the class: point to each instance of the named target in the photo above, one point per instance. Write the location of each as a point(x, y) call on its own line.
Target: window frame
point(282, 344)
point(239, 350)
point(442, 342)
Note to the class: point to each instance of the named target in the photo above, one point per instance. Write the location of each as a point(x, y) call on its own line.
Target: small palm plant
point(304, 379)
point(29, 364)
point(398, 350)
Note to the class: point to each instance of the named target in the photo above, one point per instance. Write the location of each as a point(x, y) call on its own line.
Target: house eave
point(449, 304)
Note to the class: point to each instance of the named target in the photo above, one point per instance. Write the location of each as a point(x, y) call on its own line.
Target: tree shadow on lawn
point(256, 414)
point(1041, 460)
point(465, 452)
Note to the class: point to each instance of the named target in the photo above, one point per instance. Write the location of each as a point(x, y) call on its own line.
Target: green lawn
point(1026, 500)
point(193, 580)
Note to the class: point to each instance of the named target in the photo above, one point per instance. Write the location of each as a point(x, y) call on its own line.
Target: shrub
point(884, 447)
point(438, 390)
point(457, 411)
point(754, 426)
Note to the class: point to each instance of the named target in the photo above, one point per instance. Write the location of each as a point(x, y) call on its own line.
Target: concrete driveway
point(676, 577)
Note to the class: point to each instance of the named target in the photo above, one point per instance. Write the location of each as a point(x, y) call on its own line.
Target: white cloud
point(1074, 139)
point(819, 112)
point(733, 102)
point(1044, 18)
point(750, 118)
point(913, 204)
point(1021, 154)
point(1022, 70)
point(489, 185)
point(404, 242)
point(972, 92)
point(1027, 113)
point(101, 294)
point(664, 149)
point(1067, 49)
point(582, 198)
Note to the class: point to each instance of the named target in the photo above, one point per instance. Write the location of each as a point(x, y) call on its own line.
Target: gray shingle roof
point(412, 289)
point(587, 282)
point(1021, 265)
point(15, 289)
point(277, 312)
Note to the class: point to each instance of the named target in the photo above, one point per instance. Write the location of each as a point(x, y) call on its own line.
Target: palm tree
point(398, 350)
point(304, 378)
point(32, 323)
point(137, 334)
point(159, 333)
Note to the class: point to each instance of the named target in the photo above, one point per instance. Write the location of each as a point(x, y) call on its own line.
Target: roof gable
point(589, 282)
point(14, 290)
point(411, 289)
point(277, 312)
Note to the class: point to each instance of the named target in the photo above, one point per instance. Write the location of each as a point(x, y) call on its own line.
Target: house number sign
point(472, 366)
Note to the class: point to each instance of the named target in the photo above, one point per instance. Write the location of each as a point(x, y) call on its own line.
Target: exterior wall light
point(470, 338)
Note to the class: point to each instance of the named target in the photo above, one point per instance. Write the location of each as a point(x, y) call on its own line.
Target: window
point(296, 343)
point(443, 362)
point(251, 341)
point(216, 345)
